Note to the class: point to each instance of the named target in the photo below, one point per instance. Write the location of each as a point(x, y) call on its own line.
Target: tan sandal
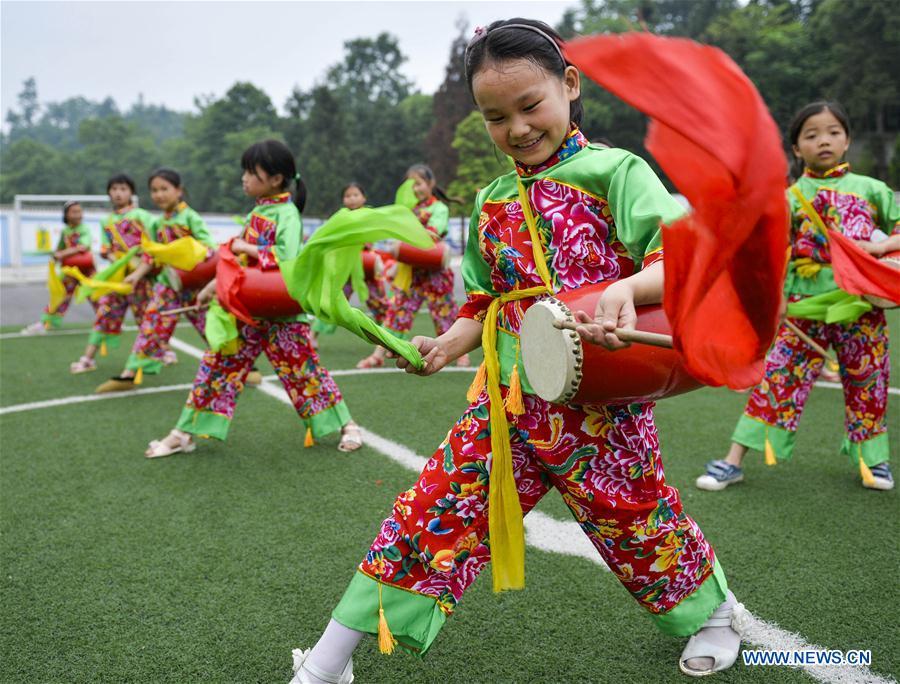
point(351, 438)
point(159, 448)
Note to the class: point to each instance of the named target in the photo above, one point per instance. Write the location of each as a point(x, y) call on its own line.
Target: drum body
point(264, 294)
point(563, 369)
point(373, 266)
point(200, 275)
point(891, 259)
point(435, 258)
point(83, 261)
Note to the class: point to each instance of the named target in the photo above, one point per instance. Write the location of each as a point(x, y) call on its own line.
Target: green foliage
point(480, 160)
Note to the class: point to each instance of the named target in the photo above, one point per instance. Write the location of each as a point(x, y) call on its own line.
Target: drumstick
point(183, 309)
point(639, 336)
point(815, 346)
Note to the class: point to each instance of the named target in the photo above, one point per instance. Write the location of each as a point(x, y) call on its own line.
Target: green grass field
point(211, 567)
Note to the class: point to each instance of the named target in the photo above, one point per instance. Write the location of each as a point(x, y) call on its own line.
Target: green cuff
point(414, 619)
point(54, 320)
point(203, 423)
point(97, 338)
point(690, 614)
point(150, 366)
point(752, 433)
point(328, 421)
point(873, 451)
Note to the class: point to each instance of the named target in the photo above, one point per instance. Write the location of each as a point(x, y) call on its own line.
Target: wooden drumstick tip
point(637, 336)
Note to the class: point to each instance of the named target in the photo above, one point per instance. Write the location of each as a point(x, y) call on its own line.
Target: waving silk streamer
point(331, 257)
point(859, 273)
point(711, 133)
point(55, 287)
point(184, 253)
point(106, 281)
point(229, 278)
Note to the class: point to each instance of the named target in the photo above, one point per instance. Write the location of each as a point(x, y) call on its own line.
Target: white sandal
point(351, 438)
point(730, 614)
point(83, 365)
point(159, 448)
point(300, 656)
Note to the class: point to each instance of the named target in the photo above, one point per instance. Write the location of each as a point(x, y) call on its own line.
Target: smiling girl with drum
point(571, 214)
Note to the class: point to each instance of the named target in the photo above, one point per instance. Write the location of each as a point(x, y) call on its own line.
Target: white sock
point(334, 648)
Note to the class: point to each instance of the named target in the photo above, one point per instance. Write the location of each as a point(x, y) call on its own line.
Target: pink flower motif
point(550, 198)
point(470, 507)
point(582, 254)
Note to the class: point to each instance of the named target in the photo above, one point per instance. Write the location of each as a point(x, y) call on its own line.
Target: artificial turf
point(211, 567)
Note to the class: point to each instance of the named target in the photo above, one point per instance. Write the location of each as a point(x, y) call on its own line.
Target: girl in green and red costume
point(861, 208)
point(571, 214)
point(432, 287)
point(120, 232)
point(151, 351)
point(272, 233)
point(75, 239)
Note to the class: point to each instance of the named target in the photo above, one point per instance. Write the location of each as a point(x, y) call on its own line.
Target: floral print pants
point(792, 367)
point(604, 461)
point(111, 309)
point(55, 317)
point(157, 329)
point(434, 287)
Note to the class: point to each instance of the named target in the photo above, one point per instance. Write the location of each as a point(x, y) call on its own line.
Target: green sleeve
point(287, 234)
point(61, 243)
point(475, 271)
point(639, 202)
point(104, 235)
point(440, 218)
point(84, 235)
point(888, 209)
point(147, 220)
point(199, 230)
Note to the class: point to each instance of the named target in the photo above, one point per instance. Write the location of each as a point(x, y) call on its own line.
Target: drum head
point(551, 358)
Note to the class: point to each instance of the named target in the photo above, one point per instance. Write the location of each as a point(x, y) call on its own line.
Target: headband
point(481, 33)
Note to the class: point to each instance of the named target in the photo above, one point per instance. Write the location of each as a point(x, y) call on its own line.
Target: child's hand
point(206, 294)
point(433, 353)
point(615, 309)
point(240, 246)
point(132, 278)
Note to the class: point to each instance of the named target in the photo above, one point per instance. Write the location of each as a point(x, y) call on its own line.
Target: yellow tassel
point(386, 640)
point(866, 474)
point(770, 452)
point(103, 348)
point(139, 376)
point(477, 384)
point(309, 441)
point(513, 401)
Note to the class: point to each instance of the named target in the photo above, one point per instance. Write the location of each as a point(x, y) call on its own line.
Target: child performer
point(435, 287)
point(858, 206)
point(271, 234)
point(75, 239)
point(150, 350)
point(571, 214)
point(120, 231)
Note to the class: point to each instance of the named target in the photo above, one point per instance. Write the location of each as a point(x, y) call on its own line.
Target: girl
point(858, 206)
point(571, 214)
point(435, 287)
point(121, 231)
point(75, 238)
point(150, 351)
point(271, 234)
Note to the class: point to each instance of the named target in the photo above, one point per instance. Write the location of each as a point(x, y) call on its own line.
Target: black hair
point(425, 172)
point(520, 43)
point(122, 178)
point(353, 184)
point(167, 174)
point(274, 157)
point(68, 205)
point(805, 113)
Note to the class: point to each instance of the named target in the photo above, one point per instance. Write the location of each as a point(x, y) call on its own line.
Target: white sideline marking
point(91, 397)
point(548, 534)
point(542, 531)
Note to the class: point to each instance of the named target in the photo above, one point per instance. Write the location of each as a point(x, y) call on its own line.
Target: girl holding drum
point(858, 207)
point(571, 214)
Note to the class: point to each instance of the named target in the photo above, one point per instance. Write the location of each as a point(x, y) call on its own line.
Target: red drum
point(891, 259)
point(562, 369)
point(200, 275)
point(83, 261)
point(435, 258)
point(264, 294)
point(373, 266)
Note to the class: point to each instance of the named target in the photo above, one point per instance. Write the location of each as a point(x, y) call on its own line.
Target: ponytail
point(299, 193)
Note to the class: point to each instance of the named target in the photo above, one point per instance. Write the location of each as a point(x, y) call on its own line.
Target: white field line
point(542, 531)
point(547, 534)
point(50, 403)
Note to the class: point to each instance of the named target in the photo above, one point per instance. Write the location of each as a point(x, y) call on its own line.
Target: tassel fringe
point(514, 403)
point(103, 350)
point(309, 441)
point(139, 376)
point(770, 452)
point(866, 474)
point(386, 640)
point(477, 384)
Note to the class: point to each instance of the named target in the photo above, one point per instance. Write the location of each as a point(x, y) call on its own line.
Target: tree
point(28, 106)
point(31, 167)
point(452, 103)
point(479, 160)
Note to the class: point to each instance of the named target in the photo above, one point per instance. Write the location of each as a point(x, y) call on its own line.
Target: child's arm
point(462, 337)
point(139, 273)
